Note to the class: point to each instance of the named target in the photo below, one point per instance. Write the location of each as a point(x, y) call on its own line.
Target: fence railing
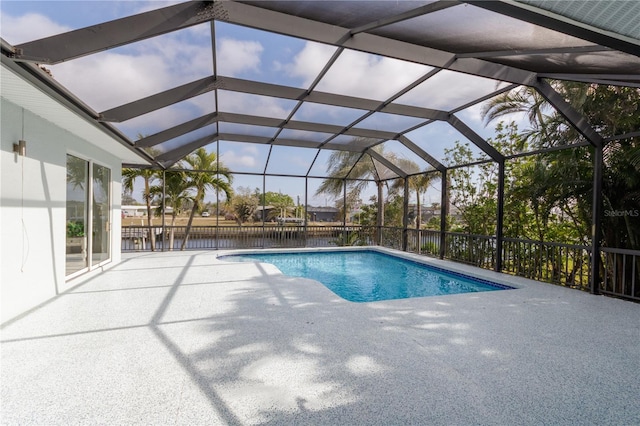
point(391, 237)
point(563, 264)
point(423, 241)
point(137, 238)
point(477, 250)
point(621, 273)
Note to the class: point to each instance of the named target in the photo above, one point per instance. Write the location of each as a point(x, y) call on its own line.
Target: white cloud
point(155, 121)
point(232, 160)
point(355, 73)
point(309, 61)
point(448, 90)
point(236, 56)
point(243, 103)
point(111, 79)
point(138, 70)
point(473, 113)
point(176, 50)
point(250, 149)
point(28, 27)
point(115, 77)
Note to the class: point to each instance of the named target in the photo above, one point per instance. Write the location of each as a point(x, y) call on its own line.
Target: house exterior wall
point(33, 208)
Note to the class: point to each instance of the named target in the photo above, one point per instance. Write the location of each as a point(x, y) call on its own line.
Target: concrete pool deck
point(185, 338)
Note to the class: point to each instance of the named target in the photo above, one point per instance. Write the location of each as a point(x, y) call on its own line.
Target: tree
point(558, 186)
point(418, 182)
point(176, 194)
point(282, 204)
point(209, 174)
point(148, 176)
point(244, 204)
point(472, 191)
point(611, 111)
point(359, 168)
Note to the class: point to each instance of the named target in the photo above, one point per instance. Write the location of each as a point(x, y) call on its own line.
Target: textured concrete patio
point(184, 338)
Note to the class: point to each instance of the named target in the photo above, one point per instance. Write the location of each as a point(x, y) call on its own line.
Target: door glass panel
point(101, 225)
point(77, 180)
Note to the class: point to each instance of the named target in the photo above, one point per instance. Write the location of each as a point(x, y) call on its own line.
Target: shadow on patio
point(183, 338)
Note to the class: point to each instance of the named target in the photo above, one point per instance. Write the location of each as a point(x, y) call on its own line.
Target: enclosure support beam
point(596, 226)
point(444, 207)
point(218, 197)
point(577, 120)
point(264, 204)
point(405, 215)
point(344, 212)
point(119, 32)
point(306, 205)
point(500, 217)
point(380, 218)
point(164, 208)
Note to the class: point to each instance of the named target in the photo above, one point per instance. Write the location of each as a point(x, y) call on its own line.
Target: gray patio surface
point(184, 338)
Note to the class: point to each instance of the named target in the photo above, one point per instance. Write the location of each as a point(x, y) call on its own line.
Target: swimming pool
point(368, 276)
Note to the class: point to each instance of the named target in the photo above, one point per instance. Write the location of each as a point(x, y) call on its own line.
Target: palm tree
point(544, 120)
point(148, 176)
point(565, 179)
point(176, 193)
point(210, 174)
point(418, 182)
point(355, 165)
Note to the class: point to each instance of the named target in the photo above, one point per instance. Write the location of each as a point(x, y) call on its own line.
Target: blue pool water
point(368, 276)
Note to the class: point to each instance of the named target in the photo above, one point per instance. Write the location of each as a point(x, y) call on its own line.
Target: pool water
point(367, 276)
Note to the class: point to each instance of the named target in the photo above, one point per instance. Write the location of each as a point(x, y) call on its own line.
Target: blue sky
point(127, 73)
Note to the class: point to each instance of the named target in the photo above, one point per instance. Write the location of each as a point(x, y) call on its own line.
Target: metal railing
point(423, 241)
point(136, 238)
point(563, 264)
point(391, 237)
point(621, 273)
point(477, 250)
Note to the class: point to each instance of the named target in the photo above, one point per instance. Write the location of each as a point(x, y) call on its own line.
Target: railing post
point(500, 216)
point(596, 227)
point(444, 207)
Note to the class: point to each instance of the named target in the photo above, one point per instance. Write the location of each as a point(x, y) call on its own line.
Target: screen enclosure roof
point(369, 77)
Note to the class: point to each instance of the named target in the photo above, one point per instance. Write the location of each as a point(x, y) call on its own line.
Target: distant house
point(139, 210)
point(323, 214)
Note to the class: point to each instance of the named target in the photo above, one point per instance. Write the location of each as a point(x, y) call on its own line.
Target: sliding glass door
point(77, 214)
point(88, 223)
point(101, 215)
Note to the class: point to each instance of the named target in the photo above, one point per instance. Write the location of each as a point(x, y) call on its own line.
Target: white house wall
point(33, 208)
